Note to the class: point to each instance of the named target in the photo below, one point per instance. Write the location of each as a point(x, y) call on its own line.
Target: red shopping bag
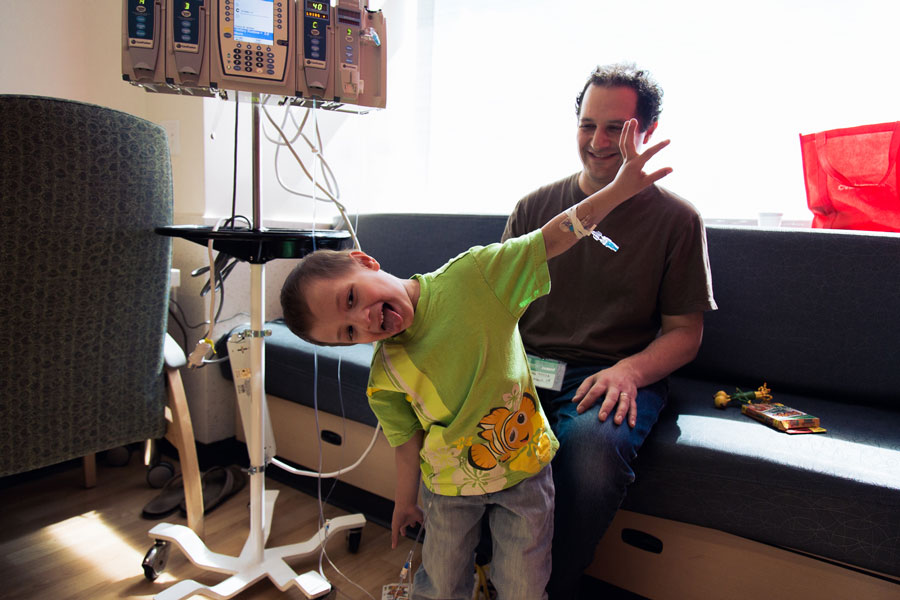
point(852, 177)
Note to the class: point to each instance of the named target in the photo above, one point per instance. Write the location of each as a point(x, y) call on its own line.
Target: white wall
point(70, 49)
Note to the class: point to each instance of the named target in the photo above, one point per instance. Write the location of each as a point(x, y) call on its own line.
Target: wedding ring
point(623, 394)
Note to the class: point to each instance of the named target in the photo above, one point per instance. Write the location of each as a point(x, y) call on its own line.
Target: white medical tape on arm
point(577, 228)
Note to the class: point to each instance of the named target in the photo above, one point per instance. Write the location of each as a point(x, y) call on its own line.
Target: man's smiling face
point(361, 306)
point(604, 111)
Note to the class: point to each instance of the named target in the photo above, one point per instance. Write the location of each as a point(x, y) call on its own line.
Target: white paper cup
point(770, 219)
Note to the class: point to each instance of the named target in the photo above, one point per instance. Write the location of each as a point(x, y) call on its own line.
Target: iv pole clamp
point(255, 560)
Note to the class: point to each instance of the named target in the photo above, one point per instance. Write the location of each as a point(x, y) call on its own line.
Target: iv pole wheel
point(155, 560)
point(354, 537)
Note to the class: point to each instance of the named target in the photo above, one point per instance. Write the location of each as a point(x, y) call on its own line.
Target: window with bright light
point(480, 107)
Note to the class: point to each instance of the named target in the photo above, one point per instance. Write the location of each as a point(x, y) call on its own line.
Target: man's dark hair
point(649, 94)
point(321, 264)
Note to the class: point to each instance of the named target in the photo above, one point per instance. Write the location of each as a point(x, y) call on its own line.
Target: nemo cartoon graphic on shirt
point(505, 430)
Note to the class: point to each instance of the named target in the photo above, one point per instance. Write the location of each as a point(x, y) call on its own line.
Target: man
point(618, 323)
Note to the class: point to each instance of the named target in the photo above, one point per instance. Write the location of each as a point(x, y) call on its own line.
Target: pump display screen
point(318, 9)
point(315, 23)
point(185, 22)
point(254, 21)
point(140, 19)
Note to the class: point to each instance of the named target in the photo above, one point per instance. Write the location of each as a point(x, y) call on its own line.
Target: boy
point(451, 387)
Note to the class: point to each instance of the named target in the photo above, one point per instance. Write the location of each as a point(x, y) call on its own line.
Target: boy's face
point(361, 306)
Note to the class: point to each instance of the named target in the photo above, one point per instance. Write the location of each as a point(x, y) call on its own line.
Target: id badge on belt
point(546, 372)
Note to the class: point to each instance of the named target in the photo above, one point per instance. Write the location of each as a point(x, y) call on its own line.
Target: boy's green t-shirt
point(460, 373)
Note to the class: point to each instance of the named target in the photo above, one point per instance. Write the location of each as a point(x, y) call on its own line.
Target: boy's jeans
point(521, 521)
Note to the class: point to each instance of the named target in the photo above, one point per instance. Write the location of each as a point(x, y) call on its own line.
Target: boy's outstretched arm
point(630, 180)
point(406, 509)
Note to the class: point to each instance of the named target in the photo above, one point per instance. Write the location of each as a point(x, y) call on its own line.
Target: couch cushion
point(809, 311)
point(406, 244)
point(835, 494)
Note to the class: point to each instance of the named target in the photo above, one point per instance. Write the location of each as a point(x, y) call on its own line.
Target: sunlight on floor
point(91, 540)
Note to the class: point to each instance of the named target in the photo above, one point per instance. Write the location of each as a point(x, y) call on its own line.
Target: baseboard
point(662, 559)
point(222, 453)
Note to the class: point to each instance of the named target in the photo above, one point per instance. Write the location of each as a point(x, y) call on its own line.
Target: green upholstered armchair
point(83, 284)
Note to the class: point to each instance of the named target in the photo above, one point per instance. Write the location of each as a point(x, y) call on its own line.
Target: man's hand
point(616, 388)
point(402, 518)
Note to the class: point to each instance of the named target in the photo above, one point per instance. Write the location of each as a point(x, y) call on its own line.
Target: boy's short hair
point(321, 264)
point(649, 93)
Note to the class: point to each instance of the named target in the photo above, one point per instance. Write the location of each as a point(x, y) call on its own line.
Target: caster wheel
point(159, 474)
point(155, 560)
point(354, 537)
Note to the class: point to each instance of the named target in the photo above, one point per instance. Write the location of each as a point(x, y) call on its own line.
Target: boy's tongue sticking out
point(391, 321)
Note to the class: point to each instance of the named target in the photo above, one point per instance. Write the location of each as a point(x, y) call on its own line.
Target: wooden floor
point(60, 540)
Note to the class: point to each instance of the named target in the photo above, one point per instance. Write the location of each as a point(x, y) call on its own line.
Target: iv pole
point(255, 560)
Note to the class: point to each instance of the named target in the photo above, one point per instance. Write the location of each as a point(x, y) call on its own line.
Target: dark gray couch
point(815, 314)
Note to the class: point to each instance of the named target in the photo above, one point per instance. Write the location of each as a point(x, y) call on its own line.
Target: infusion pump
point(330, 52)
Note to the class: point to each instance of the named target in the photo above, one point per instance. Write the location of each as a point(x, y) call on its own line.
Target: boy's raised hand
point(631, 178)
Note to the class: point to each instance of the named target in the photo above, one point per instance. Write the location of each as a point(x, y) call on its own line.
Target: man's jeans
point(591, 471)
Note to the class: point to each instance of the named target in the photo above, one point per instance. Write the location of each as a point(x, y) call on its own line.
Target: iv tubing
point(337, 473)
point(334, 200)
